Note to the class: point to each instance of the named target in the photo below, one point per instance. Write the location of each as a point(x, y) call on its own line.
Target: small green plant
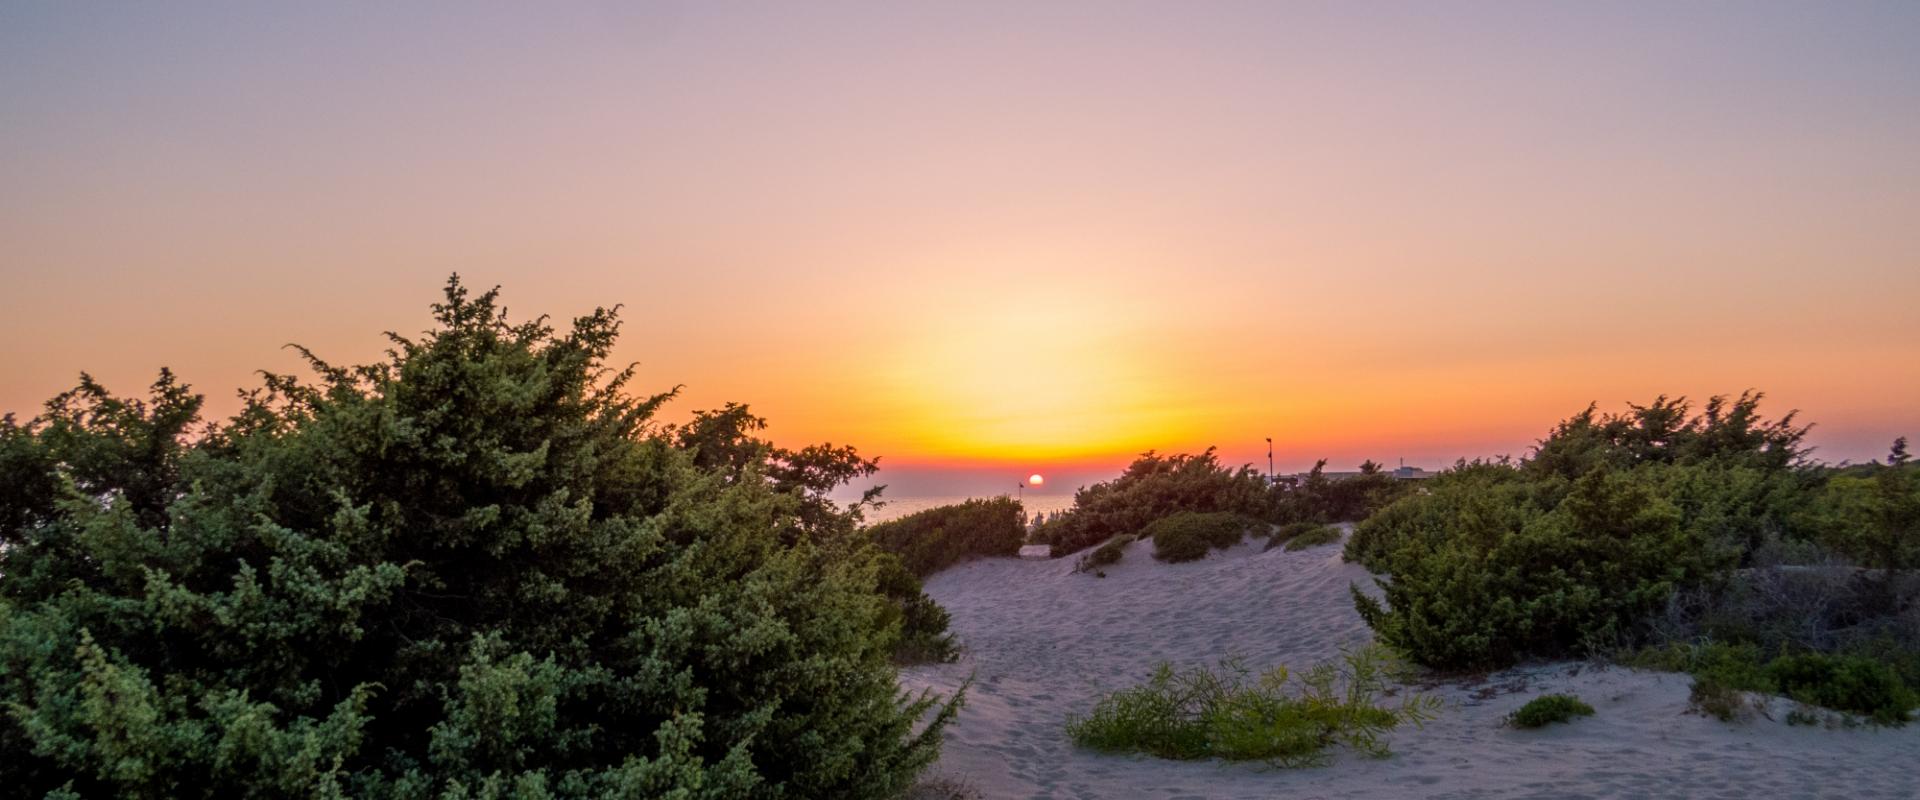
point(1323, 534)
point(1189, 536)
point(1155, 486)
point(1287, 532)
point(1105, 555)
point(1803, 717)
point(1724, 673)
point(1550, 708)
point(1719, 700)
point(940, 537)
point(1852, 684)
point(1281, 718)
point(924, 638)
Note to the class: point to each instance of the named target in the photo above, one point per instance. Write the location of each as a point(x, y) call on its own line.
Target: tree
point(475, 569)
point(1874, 518)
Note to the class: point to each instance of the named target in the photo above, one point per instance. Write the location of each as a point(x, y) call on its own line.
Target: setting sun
point(658, 366)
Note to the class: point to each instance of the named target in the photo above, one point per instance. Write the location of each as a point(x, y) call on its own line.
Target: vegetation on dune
point(1553, 555)
point(1723, 673)
point(1548, 709)
point(476, 569)
point(1317, 498)
point(1189, 536)
point(1493, 588)
point(932, 540)
point(1106, 555)
point(1664, 528)
point(1285, 719)
point(1871, 512)
point(1300, 536)
point(921, 621)
point(1155, 487)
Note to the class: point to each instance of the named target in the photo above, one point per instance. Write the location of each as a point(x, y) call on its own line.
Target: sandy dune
point(1043, 642)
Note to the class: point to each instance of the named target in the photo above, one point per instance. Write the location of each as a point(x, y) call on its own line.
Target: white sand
point(1043, 643)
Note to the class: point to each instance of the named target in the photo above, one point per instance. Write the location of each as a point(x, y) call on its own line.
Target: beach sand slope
point(1043, 642)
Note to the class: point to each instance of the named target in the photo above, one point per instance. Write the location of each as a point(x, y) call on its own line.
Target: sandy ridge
point(1043, 642)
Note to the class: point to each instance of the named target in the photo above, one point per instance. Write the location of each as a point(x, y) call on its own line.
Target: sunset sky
point(986, 239)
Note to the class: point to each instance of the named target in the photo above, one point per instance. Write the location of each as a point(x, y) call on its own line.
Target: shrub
point(1286, 532)
point(1726, 431)
point(1157, 486)
point(1189, 536)
point(932, 540)
point(1324, 534)
point(1318, 498)
point(1873, 513)
point(1591, 569)
point(1154, 487)
point(923, 623)
point(476, 568)
point(1284, 719)
point(1723, 673)
point(1550, 708)
point(1105, 555)
point(1719, 700)
point(1478, 500)
point(1845, 683)
point(942, 787)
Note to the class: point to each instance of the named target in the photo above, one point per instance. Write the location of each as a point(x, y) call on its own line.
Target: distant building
point(1399, 473)
point(1412, 474)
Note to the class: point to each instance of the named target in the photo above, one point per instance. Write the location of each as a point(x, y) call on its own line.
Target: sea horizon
point(893, 508)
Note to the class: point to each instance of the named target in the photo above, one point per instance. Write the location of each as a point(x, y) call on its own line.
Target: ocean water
point(897, 507)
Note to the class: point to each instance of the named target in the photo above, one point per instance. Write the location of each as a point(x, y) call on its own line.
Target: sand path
point(1043, 643)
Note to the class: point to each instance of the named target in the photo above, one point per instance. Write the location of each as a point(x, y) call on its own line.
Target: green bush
point(1315, 497)
point(1485, 595)
point(1845, 683)
point(1190, 536)
point(1154, 487)
point(932, 540)
point(1872, 512)
point(1105, 555)
point(1725, 432)
point(1801, 717)
point(1720, 700)
point(1479, 499)
point(1723, 673)
point(1324, 534)
point(1281, 535)
point(1578, 547)
point(1550, 708)
point(477, 568)
point(922, 622)
point(1284, 719)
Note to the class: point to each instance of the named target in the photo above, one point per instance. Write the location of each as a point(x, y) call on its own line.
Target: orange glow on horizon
point(1003, 237)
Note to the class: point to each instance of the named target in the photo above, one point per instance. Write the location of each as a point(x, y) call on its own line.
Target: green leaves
point(1283, 718)
point(1575, 547)
point(1483, 575)
point(1548, 709)
point(477, 569)
point(932, 540)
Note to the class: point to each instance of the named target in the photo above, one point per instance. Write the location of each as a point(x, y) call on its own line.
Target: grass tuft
point(1551, 708)
point(1324, 534)
point(1105, 555)
point(1189, 536)
point(1282, 718)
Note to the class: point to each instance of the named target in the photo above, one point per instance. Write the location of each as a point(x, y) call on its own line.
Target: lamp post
point(1269, 460)
point(1020, 490)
